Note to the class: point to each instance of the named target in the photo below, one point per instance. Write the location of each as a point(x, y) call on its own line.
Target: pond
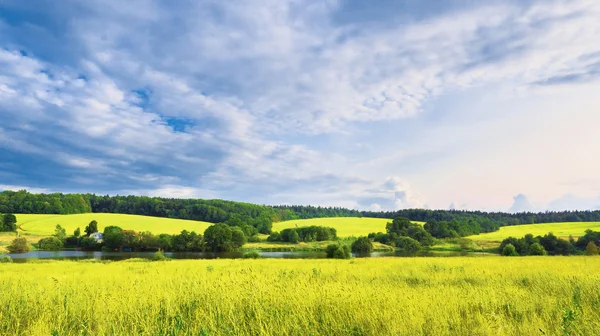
point(81, 255)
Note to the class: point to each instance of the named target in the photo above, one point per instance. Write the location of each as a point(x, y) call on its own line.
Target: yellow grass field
point(575, 229)
point(45, 224)
point(387, 296)
point(345, 226)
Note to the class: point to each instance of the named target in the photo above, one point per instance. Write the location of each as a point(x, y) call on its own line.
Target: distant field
point(345, 226)
point(45, 224)
point(575, 229)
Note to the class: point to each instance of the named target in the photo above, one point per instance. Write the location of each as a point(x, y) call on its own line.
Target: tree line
point(216, 238)
point(261, 217)
point(550, 244)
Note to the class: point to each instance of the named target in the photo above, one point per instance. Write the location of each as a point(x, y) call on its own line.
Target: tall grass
point(418, 296)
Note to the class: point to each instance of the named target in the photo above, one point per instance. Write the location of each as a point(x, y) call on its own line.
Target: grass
point(45, 224)
point(575, 229)
point(383, 296)
point(345, 226)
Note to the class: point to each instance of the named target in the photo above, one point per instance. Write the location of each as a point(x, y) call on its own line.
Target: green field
point(574, 229)
point(45, 224)
point(345, 226)
point(387, 296)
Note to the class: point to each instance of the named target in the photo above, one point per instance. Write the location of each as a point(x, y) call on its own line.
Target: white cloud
point(262, 79)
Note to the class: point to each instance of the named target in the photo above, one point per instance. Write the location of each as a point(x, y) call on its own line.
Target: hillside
point(345, 226)
point(45, 224)
point(574, 229)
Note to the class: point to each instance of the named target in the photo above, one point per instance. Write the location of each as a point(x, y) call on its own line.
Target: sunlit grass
point(45, 224)
point(384, 296)
point(575, 229)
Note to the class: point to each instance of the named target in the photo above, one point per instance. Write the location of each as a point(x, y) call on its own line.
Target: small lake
point(115, 256)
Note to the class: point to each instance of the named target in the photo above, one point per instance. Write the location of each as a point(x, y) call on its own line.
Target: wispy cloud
point(253, 100)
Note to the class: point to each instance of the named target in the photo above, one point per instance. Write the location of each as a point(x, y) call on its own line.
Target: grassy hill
point(575, 229)
point(45, 224)
point(345, 226)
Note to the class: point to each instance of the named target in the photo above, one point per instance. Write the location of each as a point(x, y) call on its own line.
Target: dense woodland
point(442, 223)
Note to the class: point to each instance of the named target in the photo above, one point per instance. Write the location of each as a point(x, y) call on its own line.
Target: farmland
point(575, 229)
point(45, 224)
point(345, 226)
point(413, 296)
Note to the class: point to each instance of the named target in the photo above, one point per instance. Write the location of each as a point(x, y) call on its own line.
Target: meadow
point(564, 230)
point(345, 226)
point(384, 296)
point(45, 224)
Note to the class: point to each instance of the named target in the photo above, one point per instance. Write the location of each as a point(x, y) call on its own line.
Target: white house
point(98, 236)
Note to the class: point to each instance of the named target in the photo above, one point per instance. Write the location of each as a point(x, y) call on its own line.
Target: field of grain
point(45, 224)
point(345, 226)
point(387, 296)
point(575, 229)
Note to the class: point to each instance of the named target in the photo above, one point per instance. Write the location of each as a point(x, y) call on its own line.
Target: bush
point(537, 249)
point(159, 256)
point(50, 244)
point(591, 249)
point(407, 244)
point(5, 259)
point(251, 255)
point(274, 237)
point(338, 251)
point(362, 245)
point(18, 245)
point(254, 239)
point(509, 250)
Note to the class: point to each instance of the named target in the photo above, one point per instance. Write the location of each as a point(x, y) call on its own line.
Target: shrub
point(5, 259)
point(251, 255)
point(591, 249)
point(254, 239)
point(362, 245)
point(537, 249)
point(338, 251)
point(50, 244)
point(159, 256)
point(407, 244)
point(509, 250)
point(18, 245)
point(275, 236)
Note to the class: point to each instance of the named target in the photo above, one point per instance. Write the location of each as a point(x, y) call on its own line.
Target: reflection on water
point(81, 255)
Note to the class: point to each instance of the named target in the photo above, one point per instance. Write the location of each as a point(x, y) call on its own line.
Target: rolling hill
point(575, 229)
point(45, 224)
point(345, 226)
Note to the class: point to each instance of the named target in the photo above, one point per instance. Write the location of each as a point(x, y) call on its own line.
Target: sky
point(380, 105)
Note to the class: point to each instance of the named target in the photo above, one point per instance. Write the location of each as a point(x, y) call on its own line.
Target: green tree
point(238, 238)
point(537, 249)
point(60, 233)
point(50, 244)
point(294, 237)
point(18, 245)
point(509, 250)
point(77, 232)
point(114, 237)
point(218, 238)
point(10, 222)
point(591, 249)
point(362, 245)
point(91, 228)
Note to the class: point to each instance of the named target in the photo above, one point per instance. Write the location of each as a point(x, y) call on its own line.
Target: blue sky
point(488, 105)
